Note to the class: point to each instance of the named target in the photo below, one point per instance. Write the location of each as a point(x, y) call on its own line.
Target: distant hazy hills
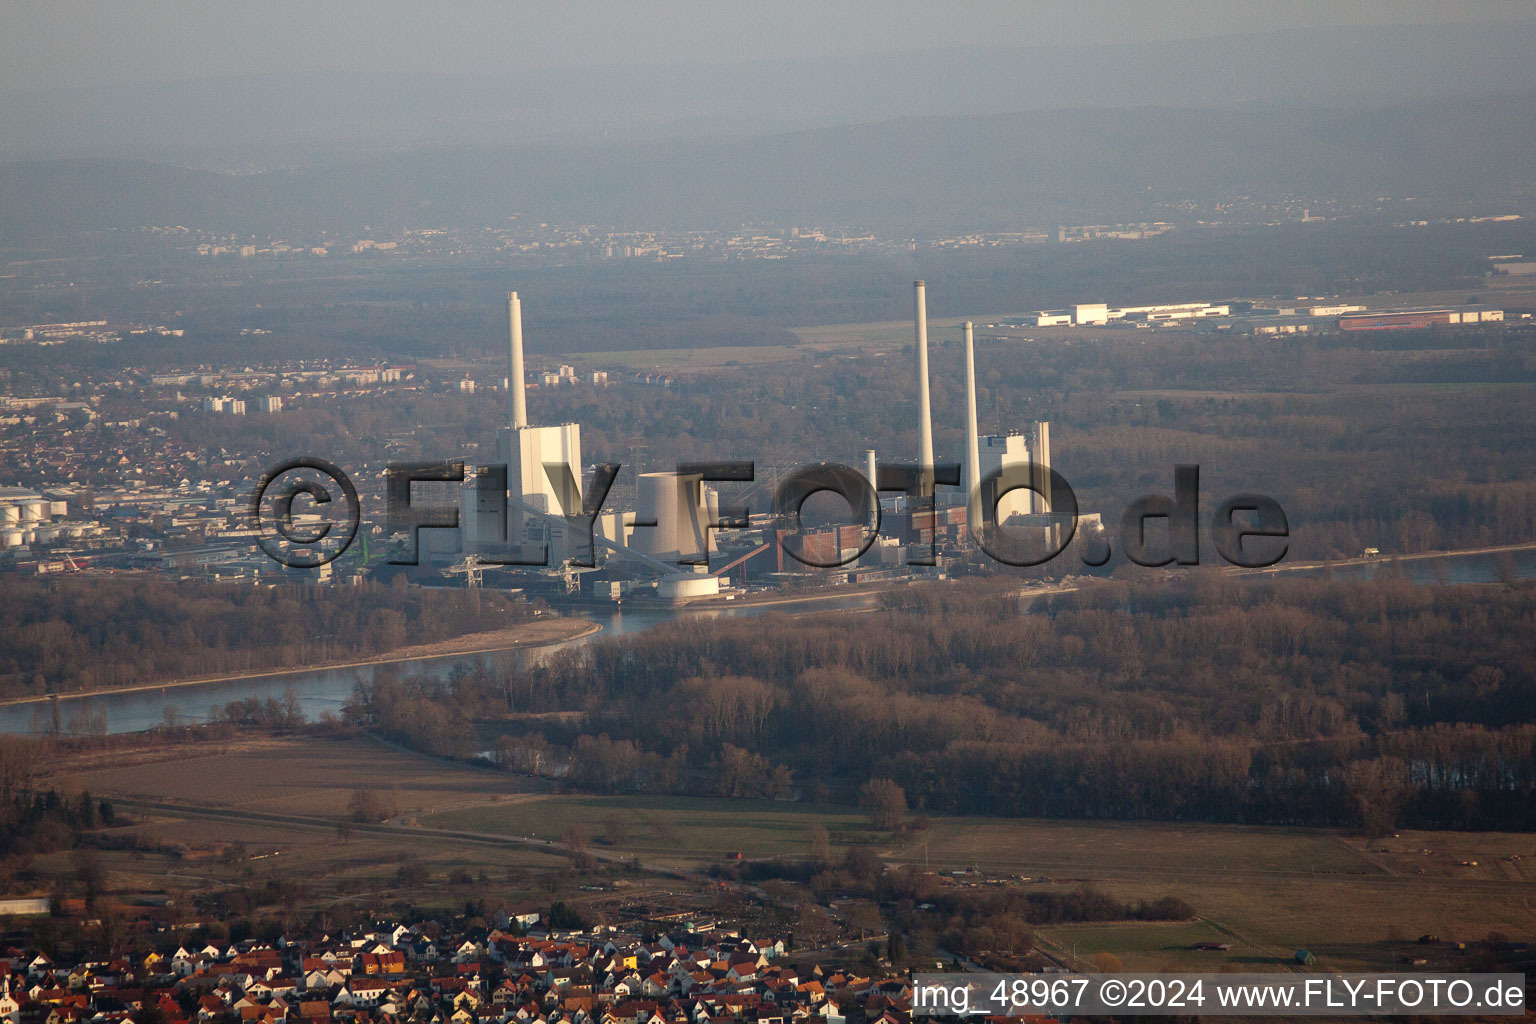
point(983, 137)
point(268, 121)
point(920, 173)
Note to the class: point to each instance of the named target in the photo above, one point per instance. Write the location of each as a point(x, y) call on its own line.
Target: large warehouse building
point(1389, 320)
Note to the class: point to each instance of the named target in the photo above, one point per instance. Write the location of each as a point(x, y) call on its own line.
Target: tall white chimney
point(972, 447)
point(924, 420)
point(869, 474)
point(517, 408)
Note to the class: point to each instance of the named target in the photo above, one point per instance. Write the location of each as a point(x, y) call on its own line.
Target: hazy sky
point(64, 42)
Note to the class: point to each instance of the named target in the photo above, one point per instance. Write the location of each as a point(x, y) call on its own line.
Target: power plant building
point(1018, 457)
point(682, 508)
point(543, 479)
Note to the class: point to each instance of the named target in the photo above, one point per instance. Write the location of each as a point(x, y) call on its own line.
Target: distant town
point(507, 967)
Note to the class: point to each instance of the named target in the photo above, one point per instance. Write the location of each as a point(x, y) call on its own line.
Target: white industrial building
point(1019, 456)
point(1091, 314)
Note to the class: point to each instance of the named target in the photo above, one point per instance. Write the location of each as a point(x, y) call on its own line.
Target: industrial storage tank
point(686, 586)
point(10, 539)
point(10, 513)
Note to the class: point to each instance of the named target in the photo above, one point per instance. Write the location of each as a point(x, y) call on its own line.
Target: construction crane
point(570, 573)
point(471, 568)
point(360, 556)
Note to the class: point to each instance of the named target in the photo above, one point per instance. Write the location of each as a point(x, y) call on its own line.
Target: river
point(321, 690)
point(1482, 568)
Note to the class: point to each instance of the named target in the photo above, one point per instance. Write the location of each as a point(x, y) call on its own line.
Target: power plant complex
point(528, 514)
point(524, 514)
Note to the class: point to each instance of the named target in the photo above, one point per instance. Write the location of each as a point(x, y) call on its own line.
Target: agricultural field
point(671, 831)
point(888, 336)
point(1154, 849)
point(285, 801)
point(299, 775)
point(1145, 946)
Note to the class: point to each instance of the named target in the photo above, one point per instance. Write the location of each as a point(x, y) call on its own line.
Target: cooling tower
point(681, 509)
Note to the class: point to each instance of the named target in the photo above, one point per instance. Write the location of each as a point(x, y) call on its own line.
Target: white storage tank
point(10, 513)
point(10, 539)
point(686, 586)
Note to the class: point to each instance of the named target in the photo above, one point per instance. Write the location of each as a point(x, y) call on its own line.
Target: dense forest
point(64, 635)
point(1209, 698)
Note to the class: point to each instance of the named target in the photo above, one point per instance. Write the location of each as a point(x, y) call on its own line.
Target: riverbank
point(769, 600)
point(1385, 559)
point(542, 632)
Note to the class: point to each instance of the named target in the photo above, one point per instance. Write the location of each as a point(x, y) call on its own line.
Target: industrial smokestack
point(924, 420)
point(1040, 456)
point(517, 407)
point(972, 448)
point(869, 474)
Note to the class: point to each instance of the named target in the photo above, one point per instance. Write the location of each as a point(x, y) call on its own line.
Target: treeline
point(49, 820)
point(36, 821)
point(442, 715)
point(1210, 698)
point(65, 635)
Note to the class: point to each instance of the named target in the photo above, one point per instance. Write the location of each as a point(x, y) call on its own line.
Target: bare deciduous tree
point(884, 802)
